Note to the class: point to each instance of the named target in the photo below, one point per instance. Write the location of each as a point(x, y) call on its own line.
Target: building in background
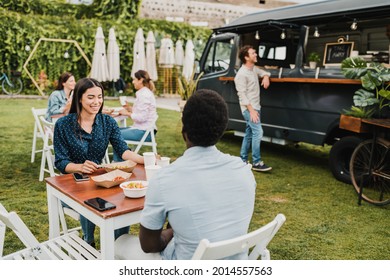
point(209, 13)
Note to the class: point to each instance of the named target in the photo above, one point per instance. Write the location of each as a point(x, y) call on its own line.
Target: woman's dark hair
point(244, 51)
point(80, 88)
point(205, 118)
point(62, 79)
point(147, 81)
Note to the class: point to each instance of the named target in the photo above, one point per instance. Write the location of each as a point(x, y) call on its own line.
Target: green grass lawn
point(324, 221)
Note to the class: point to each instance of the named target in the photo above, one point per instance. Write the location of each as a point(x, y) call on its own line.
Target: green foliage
point(108, 9)
point(187, 87)
point(364, 98)
point(324, 221)
point(25, 22)
point(375, 82)
point(315, 57)
point(359, 112)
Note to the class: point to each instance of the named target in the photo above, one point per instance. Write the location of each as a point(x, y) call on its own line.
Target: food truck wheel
point(340, 156)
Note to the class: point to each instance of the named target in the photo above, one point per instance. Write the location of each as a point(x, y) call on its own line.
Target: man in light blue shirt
point(203, 194)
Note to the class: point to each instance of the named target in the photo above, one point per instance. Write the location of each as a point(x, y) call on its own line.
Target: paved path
point(170, 103)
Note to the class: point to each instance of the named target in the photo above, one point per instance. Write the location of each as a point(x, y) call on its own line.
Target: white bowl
point(134, 192)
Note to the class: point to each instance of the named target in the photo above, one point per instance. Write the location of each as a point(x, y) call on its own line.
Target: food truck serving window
point(272, 52)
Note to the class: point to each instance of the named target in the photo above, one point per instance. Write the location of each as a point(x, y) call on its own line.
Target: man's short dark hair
point(244, 51)
point(205, 117)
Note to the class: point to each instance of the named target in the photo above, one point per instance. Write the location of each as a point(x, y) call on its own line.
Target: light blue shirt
point(204, 194)
point(56, 104)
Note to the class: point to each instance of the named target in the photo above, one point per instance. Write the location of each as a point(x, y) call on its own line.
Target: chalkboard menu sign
point(335, 53)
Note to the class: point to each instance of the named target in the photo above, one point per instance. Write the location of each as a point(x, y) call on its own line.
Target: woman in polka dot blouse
point(82, 137)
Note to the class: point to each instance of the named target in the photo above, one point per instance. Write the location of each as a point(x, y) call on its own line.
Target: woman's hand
point(88, 167)
point(124, 112)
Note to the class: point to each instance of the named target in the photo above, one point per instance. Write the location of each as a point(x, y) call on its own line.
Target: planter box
point(353, 124)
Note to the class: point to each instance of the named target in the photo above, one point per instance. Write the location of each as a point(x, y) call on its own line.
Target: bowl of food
point(126, 166)
point(134, 189)
point(111, 179)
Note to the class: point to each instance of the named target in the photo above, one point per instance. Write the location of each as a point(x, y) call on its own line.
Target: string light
point(316, 33)
point(283, 34)
point(27, 48)
point(232, 41)
point(66, 55)
point(354, 24)
point(257, 35)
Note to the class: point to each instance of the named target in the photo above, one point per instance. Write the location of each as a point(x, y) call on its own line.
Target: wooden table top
point(80, 191)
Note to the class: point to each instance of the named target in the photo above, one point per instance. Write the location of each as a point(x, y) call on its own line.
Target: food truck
point(303, 102)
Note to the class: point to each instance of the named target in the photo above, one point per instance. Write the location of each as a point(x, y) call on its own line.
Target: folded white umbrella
point(99, 69)
point(151, 64)
point(138, 52)
point(113, 57)
point(167, 53)
point(179, 53)
point(189, 60)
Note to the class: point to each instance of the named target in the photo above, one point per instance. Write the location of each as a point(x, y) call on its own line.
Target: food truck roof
point(311, 14)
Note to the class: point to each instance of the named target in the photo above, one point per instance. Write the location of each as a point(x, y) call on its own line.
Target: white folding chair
point(259, 239)
point(128, 247)
point(47, 160)
point(143, 141)
point(38, 131)
point(47, 165)
point(65, 247)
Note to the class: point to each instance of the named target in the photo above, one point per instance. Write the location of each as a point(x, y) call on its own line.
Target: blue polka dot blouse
point(73, 144)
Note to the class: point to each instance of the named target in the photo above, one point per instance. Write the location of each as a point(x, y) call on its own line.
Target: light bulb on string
point(232, 41)
point(283, 34)
point(27, 48)
point(66, 55)
point(257, 35)
point(354, 24)
point(316, 32)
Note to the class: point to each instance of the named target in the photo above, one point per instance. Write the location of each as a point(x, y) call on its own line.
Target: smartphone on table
point(80, 177)
point(99, 204)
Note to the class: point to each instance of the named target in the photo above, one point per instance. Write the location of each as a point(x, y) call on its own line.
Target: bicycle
point(13, 84)
point(370, 165)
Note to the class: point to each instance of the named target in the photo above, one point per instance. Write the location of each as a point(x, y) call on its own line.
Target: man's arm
point(153, 241)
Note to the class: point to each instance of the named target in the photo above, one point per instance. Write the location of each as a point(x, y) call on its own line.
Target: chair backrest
point(143, 142)
point(38, 130)
point(259, 239)
point(47, 128)
point(13, 221)
point(37, 113)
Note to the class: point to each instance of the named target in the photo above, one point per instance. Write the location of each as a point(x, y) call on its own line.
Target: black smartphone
point(99, 204)
point(80, 177)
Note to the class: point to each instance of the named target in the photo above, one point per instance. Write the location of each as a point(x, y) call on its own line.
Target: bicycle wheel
point(375, 183)
point(14, 85)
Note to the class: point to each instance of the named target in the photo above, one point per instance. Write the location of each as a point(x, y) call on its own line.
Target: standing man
point(248, 91)
point(203, 194)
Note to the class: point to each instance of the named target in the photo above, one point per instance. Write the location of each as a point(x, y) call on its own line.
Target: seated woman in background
point(143, 112)
point(60, 99)
point(81, 139)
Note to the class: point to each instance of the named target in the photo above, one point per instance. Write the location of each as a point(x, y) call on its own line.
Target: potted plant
point(370, 101)
point(186, 87)
point(375, 79)
point(314, 59)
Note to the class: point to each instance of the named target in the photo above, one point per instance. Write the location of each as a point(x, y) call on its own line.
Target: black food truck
point(304, 102)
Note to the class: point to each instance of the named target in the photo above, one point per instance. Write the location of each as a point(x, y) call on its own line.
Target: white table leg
point(107, 240)
point(52, 205)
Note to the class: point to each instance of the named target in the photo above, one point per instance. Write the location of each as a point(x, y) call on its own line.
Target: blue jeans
point(88, 228)
point(253, 135)
point(129, 133)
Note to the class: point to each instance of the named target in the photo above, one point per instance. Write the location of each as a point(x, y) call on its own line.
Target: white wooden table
point(127, 211)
